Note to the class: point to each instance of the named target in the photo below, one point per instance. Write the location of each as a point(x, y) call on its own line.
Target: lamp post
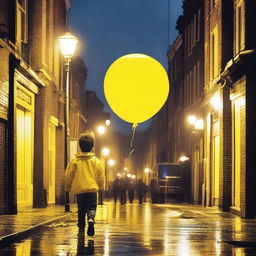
point(68, 44)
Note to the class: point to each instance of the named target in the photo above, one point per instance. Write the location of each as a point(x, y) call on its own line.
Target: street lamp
point(111, 162)
point(101, 129)
point(107, 122)
point(68, 44)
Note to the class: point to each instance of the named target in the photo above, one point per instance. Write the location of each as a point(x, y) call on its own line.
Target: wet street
point(147, 229)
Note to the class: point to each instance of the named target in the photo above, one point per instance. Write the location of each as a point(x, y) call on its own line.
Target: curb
point(15, 237)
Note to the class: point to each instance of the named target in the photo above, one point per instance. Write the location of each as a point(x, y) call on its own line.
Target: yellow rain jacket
point(84, 174)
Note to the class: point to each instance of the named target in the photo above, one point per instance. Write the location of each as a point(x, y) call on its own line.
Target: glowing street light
point(125, 169)
point(105, 151)
point(199, 124)
point(68, 43)
point(133, 176)
point(191, 119)
point(146, 170)
point(101, 129)
point(111, 162)
point(128, 175)
point(107, 122)
point(183, 158)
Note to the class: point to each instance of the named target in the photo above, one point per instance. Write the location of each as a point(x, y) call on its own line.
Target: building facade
point(212, 78)
point(32, 90)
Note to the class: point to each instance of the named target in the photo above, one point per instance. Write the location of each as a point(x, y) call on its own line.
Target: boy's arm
point(101, 176)
point(69, 175)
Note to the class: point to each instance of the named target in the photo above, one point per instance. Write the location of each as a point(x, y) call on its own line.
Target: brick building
point(211, 70)
point(32, 103)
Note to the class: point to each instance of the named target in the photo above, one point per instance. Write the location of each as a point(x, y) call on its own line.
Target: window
point(22, 24)
point(239, 29)
point(214, 54)
point(198, 25)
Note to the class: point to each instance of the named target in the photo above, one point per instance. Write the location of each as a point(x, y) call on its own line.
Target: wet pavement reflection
point(147, 229)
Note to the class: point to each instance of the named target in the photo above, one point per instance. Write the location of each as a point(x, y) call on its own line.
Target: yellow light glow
point(191, 119)
point(199, 124)
point(101, 129)
point(68, 44)
point(105, 151)
point(111, 162)
point(146, 170)
point(133, 176)
point(215, 101)
point(129, 175)
point(183, 158)
point(118, 174)
point(107, 122)
point(125, 169)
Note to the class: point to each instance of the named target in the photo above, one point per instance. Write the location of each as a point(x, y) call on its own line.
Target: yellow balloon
point(136, 86)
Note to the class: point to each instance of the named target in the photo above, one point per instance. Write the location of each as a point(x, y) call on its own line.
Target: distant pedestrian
point(85, 177)
point(123, 189)
point(116, 188)
point(141, 190)
point(131, 191)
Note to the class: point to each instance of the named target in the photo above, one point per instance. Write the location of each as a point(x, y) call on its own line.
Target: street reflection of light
point(218, 240)
point(24, 248)
point(183, 246)
point(147, 218)
point(106, 246)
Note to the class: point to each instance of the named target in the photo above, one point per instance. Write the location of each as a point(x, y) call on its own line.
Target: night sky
point(109, 29)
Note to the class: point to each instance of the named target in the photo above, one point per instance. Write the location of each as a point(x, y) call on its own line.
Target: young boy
point(85, 177)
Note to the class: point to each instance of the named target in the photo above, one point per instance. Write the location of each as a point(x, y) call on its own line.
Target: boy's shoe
point(90, 230)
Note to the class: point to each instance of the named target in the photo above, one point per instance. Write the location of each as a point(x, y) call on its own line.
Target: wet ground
point(147, 229)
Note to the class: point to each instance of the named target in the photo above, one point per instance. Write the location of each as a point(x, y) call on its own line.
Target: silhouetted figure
point(131, 190)
point(116, 188)
point(123, 188)
point(153, 190)
point(141, 190)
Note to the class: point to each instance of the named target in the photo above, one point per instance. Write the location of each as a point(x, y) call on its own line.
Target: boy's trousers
point(87, 204)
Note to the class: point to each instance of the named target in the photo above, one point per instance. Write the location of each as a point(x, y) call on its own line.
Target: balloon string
point(133, 134)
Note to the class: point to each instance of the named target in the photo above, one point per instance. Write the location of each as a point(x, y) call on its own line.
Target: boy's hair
point(86, 142)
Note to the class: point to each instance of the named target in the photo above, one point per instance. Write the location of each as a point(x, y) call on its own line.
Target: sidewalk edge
point(15, 237)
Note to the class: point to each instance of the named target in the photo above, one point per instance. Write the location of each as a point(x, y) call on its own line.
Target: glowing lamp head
point(68, 44)
point(107, 122)
point(111, 162)
point(101, 129)
point(184, 158)
point(191, 119)
point(105, 151)
point(133, 176)
point(146, 170)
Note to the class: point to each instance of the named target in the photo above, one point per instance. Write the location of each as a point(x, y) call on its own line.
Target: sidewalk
point(27, 221)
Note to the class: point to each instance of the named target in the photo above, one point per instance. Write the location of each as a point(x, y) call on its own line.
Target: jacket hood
point(85, 155)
